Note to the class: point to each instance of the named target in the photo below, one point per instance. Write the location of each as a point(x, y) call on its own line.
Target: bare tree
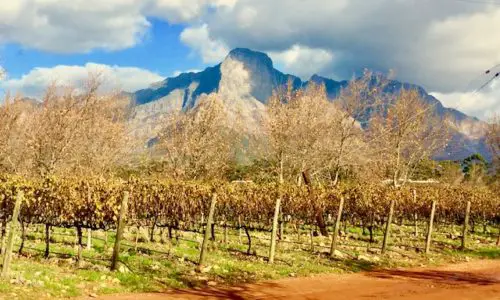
point(354, 105)
point(14, 153)
point(77, 131)
point(199, 143)
point(406, 132)
point(493, 139)
point(297, 127)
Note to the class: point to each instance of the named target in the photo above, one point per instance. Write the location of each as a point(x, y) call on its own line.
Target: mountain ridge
point(247, 79)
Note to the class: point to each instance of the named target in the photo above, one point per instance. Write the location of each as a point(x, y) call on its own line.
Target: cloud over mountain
point(36, 81)
point(440, 45)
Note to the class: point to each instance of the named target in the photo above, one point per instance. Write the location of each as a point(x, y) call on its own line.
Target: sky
point(442, 45)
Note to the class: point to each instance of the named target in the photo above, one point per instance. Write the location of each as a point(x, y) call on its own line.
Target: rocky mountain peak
point(251, 58)
point(246, 79)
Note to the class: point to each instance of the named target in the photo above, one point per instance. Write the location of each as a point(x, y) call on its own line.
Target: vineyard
point(95, 204)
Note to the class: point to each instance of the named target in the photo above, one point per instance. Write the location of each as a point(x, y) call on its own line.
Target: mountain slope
point(246, 79)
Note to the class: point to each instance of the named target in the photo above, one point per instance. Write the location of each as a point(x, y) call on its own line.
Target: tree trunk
point(79, 257)
point(4, 231)
point(319, 214)
point(249, 249)
point(170, 232)
point(47, 240)
point(23, 237)
point(398, 162)
point(212, 231)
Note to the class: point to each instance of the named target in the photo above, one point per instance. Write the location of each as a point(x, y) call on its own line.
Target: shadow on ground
point(257, 290)
point(439, 277)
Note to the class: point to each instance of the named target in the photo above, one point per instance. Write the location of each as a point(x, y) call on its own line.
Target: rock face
point(246, 79)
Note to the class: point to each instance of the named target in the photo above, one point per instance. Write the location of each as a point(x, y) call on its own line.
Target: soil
point(473, 280)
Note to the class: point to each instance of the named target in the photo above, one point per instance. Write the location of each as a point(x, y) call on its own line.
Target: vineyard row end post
point(388, 226)
point(14, 223)
point(272, 248)
point(465, 226)
point(429, 230)
point(206, 238)
point(119, 230)
point(336, 228)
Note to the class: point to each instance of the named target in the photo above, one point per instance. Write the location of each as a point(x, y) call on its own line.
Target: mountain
point(246, 79)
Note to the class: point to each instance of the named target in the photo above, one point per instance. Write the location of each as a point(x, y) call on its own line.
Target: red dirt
point(473, 280)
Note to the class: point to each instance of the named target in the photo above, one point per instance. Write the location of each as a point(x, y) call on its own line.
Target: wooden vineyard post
point(311, 239)
point(281, 227)
point(428, 240)
point(388, 227)
point(272, 248)
point(7, 255)
point(79, 258)
point(137, 233)
point(415, 215)
point(206, 238)
point(466, 225)
point(337, 227)
point(89, 239)
point(226, 234)
point(119, 230)
point(105, 240)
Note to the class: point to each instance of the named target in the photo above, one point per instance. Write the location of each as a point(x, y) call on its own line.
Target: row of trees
point(366, 134)
point(71, 131)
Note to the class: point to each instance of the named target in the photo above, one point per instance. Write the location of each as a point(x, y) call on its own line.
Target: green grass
point(159, 266)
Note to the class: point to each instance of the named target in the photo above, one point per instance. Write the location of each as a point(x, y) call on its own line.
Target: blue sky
point(160, 51)
point(439, 44)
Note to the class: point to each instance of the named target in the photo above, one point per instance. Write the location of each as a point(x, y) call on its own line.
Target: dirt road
point(474, 280)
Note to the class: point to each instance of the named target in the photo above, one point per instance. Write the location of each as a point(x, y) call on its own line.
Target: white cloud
point(179, 72)
point(198, 38)
point(79, 26)
point(36, 81)
point(440, 45)
point(3, 73)
point(178, 11)
point(303, 61)
point(72, 26)
point(425, 41)
point(483, 105)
